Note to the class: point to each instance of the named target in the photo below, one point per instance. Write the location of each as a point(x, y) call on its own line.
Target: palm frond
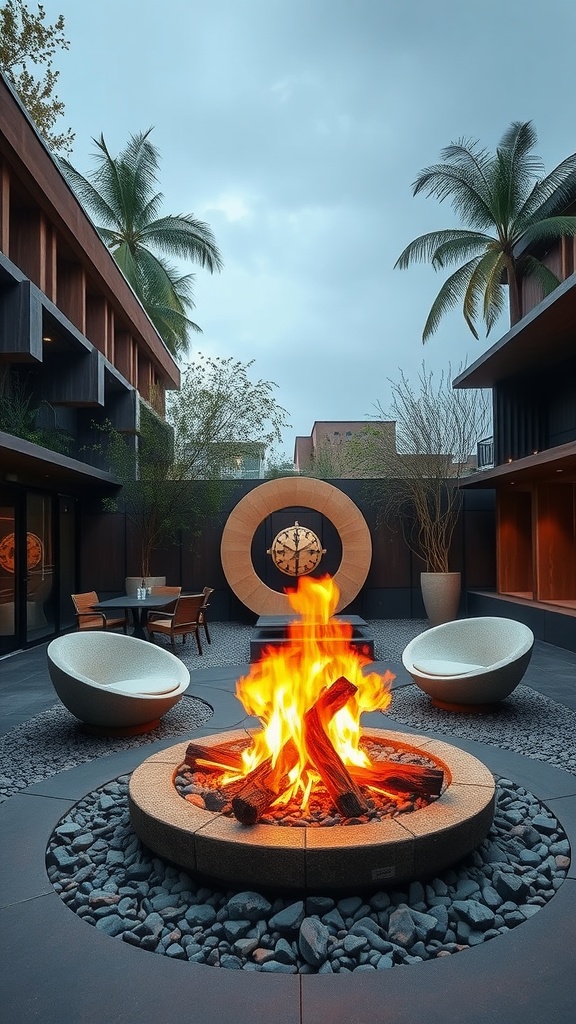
point(462, 248)
point(475, 294)
point(445, 182)
point(449, 295)
point(88, 195)
point(183, 235)
point(549, 230)
point(424, 248)
point(494, 292)
point(520, 164)
point(552, 194)
point(539, 272)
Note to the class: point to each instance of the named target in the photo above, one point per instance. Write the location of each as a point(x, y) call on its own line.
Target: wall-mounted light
point(47, 338)
point(509, 460)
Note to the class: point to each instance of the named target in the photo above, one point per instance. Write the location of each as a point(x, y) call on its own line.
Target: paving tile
point(59, 970)
point(524, 975)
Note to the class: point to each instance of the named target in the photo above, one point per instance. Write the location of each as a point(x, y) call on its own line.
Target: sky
point(295, 129)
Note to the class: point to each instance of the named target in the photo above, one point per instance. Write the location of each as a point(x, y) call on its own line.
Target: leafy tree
point(279, 466)
point(25, 39)
point(218, 415)
point(121, 194)
point(511, 208)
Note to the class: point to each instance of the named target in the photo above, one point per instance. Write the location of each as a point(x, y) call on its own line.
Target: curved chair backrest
point(84, 602)
point(174, 592)
point(485, 640)
point(166, 591)
point(86, 617)
point(102, 658)
point(188, 609)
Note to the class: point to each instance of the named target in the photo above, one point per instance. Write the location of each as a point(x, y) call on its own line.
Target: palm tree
point(510, 207)
point(120, 193)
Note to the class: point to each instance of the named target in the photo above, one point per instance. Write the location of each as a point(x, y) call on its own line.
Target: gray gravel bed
point(527, 722)
point(107, 877)
point(53, 741)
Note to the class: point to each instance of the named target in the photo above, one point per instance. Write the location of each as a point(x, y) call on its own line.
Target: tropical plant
point(22, 415)
point(24, 40)
point(511, 208)
point(121, 194)
point(437, 430)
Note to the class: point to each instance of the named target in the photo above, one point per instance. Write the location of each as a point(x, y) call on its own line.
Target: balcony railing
point(485, 453)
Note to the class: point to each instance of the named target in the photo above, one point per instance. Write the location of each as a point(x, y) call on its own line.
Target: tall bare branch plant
point(437, 431)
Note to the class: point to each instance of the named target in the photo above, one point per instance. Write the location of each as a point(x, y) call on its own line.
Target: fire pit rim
point(390, 851)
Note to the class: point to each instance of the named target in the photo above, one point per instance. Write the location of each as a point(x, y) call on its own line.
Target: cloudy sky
point(295, 128)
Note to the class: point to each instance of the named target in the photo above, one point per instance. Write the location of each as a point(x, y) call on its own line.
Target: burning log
point(332, 770)
point(400, 778)
point(215, 759)
point(252, 794)
point(263, 784)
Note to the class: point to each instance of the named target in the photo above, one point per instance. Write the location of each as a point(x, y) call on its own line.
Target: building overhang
point(23, 462)
point(555, 465)
point(542, 339)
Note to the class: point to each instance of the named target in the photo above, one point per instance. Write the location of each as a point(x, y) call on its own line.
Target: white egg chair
point(470, 662)
point(113, 682)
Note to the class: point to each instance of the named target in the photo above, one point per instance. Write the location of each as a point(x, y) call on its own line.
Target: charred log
point(338, 782)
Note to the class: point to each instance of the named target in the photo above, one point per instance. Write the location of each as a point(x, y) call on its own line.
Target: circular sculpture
point(296, 551)
point(393, 850)
point(34, 551)
point(287, 492)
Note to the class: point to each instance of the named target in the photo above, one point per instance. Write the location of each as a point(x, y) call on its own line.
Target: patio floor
point(57, 969)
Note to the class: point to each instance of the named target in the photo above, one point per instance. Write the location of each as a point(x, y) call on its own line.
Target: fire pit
point(309, 696)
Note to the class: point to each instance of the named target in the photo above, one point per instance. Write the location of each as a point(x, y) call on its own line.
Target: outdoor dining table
point(137, 606)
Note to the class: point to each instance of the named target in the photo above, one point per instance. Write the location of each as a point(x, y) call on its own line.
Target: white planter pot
point(441, 595)
point(133, 582)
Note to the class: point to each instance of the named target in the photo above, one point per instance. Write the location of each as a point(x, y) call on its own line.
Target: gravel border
point(106, 876)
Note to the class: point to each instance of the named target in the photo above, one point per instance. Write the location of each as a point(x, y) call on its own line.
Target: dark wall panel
point(392, 589)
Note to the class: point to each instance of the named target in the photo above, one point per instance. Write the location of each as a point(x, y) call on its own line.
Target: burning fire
point(284, 689)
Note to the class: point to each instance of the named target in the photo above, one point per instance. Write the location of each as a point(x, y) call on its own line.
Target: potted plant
point(429, 450)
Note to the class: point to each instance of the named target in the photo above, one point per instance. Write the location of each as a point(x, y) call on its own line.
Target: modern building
point(324, 453)
point(328, 436)
point(76, 348)
point(530, 462)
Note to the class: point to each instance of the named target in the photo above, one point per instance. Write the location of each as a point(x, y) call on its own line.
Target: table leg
point(138, 620)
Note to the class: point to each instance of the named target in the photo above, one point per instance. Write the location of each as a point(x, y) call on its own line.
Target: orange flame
point(287, 681)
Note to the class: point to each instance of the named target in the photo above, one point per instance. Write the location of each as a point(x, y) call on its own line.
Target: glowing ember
point(283, 689)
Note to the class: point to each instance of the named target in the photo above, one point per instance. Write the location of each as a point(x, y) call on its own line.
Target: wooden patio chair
point(207, 592)
point(184, 620)
point(88, 618)
point(168, 609)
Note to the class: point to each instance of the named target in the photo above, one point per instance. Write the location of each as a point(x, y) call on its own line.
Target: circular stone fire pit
point(396, 849)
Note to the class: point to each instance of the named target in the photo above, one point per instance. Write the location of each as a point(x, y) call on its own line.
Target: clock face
point(296, 550)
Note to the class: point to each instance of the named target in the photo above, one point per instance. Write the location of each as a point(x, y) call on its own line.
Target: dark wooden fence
point(108, 552)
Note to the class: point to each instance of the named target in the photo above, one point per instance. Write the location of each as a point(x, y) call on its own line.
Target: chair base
point(119, 730)
point(471, 709)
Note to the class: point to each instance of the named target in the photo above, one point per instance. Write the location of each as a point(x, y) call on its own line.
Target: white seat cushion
point(437, 667)
point(146, 685)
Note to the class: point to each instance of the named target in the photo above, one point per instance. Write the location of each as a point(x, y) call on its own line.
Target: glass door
point(7, 573)
point(41, 607)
